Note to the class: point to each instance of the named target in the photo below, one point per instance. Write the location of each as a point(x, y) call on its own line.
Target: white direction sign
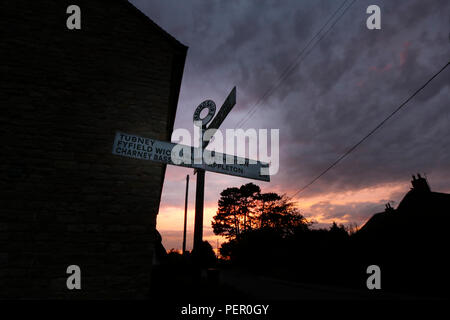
point(137, 147)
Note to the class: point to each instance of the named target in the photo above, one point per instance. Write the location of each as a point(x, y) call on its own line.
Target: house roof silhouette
point(420, 204)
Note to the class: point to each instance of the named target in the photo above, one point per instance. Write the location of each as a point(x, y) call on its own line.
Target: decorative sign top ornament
point(211, 111)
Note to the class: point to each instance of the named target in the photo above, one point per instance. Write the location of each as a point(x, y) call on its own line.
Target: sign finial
point(207, 104)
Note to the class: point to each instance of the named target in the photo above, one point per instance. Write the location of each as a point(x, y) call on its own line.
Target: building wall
point(66, 199)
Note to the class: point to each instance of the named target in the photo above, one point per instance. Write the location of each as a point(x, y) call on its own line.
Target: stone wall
point(66, 199)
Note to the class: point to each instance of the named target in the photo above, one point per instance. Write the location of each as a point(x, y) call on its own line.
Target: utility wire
point(370, 133)
point(300, 57)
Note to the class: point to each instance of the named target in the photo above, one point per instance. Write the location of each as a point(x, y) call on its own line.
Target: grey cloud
point(358, 212)
point(351, 81)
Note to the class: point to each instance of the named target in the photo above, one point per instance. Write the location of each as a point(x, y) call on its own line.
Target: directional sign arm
point(137, 147)
point(229, 103)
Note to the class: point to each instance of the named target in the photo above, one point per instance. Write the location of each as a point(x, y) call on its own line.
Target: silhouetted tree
point(245, 209)
point(267, 202)
point(236, 210)
point(227, 220)
point(280, 214)
point(338, 230)
point(249, 194)
point(352, 228)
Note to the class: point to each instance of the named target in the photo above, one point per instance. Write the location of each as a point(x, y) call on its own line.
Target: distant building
point(419, 197)
point(66, 199)
point(410, 242)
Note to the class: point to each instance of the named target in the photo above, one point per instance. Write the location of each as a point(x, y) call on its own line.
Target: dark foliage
point(204, 256)
point(408, 243)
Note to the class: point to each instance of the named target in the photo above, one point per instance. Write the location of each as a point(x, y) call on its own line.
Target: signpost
point(133, 146)
point(137, 147)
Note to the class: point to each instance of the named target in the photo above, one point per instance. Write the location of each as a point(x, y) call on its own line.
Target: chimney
point(420, 184)
point(388, 208)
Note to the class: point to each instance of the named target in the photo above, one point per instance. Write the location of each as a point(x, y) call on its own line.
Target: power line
point(289, 68)
point(370, 133)
point(300, 57)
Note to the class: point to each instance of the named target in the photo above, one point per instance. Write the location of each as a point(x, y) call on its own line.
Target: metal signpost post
point(137, 147)
point(199, 200)
point(185, 215)
point(229, 103)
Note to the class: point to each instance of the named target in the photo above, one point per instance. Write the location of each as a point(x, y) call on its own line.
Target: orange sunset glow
point(316, 208)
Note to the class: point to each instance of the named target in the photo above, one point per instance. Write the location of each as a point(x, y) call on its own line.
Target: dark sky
point(350, 81)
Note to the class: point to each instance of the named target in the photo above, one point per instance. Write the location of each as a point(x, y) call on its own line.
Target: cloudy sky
point(337, 92)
